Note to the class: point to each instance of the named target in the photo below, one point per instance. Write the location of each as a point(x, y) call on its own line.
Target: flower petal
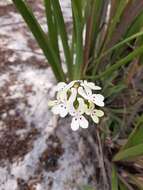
point(60, 86)
point(95, 118)
point(55, 109)
point(98, 99)
point(81, 107)
point(74, 124)
point(63, 111)
point(88, 90)
point(82, 92)
point(83, 122)
point(92, 85)
point(52, 103)
point(99, 113)
point(73, 95)
point(68, 86)
point(62, 96)
point(72, 110)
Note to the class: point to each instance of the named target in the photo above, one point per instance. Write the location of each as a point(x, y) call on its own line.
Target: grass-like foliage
point(106, 43)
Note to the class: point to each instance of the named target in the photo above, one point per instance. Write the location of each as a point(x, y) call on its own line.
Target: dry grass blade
point(132, 70)
point(89, 29)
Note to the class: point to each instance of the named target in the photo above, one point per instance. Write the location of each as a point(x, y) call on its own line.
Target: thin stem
point(101, 160)
point(125, 182)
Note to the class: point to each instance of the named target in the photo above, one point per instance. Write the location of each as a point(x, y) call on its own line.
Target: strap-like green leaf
point(77, 16)
point(114, 90)
point(114, 178)
point(136, 26)
point(122, 186)
point(97, 10)
point(41, 38)
point(62, 31)
point(129, 153)
point(52, 27)
point(136, 137)
point(134, 145)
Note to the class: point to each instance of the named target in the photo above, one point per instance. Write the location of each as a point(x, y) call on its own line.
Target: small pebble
point(1, 124)
point(4, 115)
point(11, 112)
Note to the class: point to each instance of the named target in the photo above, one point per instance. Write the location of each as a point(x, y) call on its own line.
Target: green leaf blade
point(130, 153)
point(52, 27)
point(40, 37)
point(77, 17)
point(63, 33)
point(114, 178)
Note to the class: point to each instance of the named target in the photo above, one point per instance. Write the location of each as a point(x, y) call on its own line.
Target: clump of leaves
point(110, 42)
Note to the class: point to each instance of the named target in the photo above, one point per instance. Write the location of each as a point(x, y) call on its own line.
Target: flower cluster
point(78, 100)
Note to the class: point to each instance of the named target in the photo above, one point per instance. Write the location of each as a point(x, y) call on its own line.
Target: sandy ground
point(36, 151)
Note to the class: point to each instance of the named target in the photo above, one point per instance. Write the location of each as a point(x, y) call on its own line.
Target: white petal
point(83, 122)
point(63, 111)
point(95, 118)
point(55, 109)
point(74, 124)
point(92, 85)
point(81, 107)
point(99, 113)
point(98, 99)
point(73, 95)
point(82, 92)
point(96, 87)
point(60, 86)
point(52, 103)
point(88, 90)
point(72, 110)
point(69, 85)
point(87, 111)
point(62, 96)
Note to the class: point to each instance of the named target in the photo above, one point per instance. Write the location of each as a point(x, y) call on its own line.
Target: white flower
point(78, 119)
point(77, 99)
point(97, 99)
point(60, 108)
point(61, 105)
point(94, 113)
